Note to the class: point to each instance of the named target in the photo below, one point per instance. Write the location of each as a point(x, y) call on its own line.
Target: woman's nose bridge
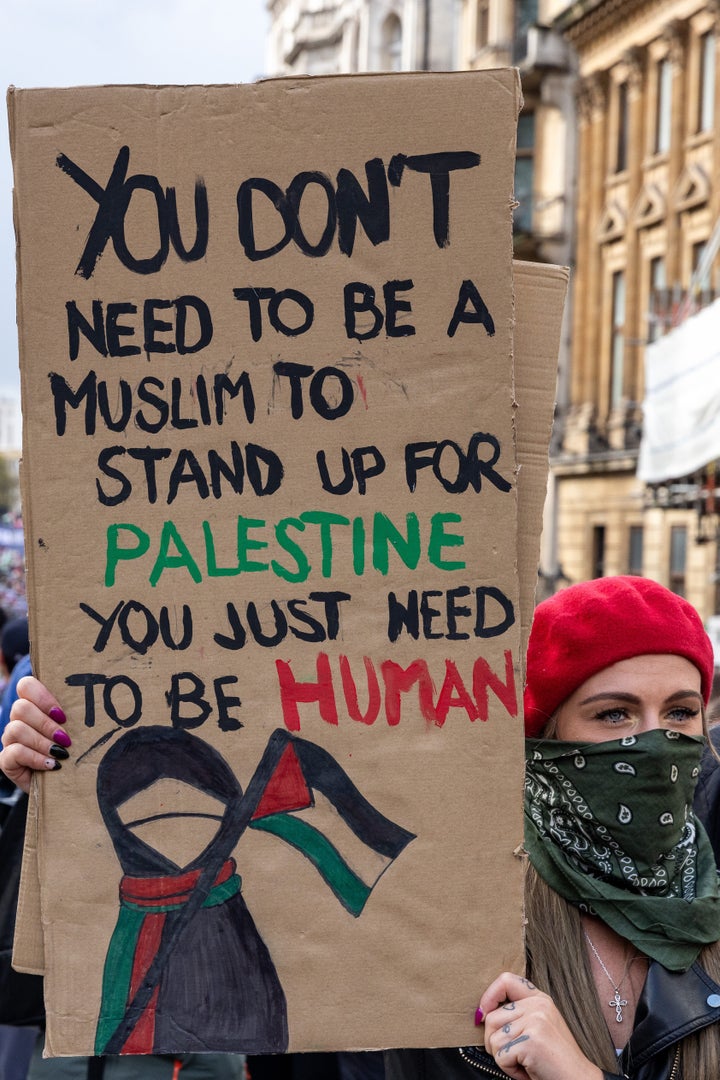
point(650, 719)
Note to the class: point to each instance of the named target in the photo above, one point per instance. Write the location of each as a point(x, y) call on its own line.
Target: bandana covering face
point(610, 827)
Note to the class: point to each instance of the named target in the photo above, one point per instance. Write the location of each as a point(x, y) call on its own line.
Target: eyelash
point(685, 713)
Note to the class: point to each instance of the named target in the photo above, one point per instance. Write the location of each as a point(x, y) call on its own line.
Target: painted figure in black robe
point(187, 969)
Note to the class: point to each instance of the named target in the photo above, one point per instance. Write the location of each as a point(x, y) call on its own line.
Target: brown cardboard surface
point(28, 942)
point(539, 302)
point(431, 930)
point(539, 297)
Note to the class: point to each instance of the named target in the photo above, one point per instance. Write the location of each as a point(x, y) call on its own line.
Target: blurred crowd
point(13, 599)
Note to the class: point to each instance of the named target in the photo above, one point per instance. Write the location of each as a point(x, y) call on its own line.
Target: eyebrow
point(632, 699)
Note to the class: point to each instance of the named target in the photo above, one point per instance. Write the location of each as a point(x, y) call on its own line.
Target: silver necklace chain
point(618, 1002)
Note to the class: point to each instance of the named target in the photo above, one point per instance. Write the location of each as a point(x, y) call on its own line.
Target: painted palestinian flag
point(310, 802)
point(183, 922)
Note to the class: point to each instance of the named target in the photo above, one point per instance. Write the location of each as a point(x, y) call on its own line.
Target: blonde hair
point(557, 962)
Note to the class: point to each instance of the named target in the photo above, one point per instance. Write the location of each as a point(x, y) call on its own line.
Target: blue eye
point(682, 712)
point(613, 715)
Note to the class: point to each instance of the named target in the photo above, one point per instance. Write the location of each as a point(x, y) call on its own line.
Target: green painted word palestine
point(171, 551)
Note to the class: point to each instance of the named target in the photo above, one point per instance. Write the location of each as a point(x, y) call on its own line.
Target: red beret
point(587, 627)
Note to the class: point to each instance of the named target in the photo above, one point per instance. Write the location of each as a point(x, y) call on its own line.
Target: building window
point(623, 124)
point(598, 551)
point(658, 298)
point(678, 558)
point(392, 44)
point(700, 269)
point(663, 112)
point(482, 24)
point(635, 550)
point(706, 88)
point(617, 340)
point(524, 169)
point(526, 15)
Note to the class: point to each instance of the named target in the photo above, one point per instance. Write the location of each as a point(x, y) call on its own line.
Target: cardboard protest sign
point(269, 481)
point(539, 304)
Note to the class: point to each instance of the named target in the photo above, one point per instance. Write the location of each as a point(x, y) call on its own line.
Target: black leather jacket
point(671, 1006)
point(707, 793)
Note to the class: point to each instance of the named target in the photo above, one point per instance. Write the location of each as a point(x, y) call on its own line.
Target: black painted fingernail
point(58, 752)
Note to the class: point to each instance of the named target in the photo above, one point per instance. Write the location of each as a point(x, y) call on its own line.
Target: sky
point(90, 42)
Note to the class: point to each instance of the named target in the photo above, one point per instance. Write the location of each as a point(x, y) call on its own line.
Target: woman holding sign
point(622, 902)
point(622, 899)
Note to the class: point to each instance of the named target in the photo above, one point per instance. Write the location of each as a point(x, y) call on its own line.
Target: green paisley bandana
point(610, 827)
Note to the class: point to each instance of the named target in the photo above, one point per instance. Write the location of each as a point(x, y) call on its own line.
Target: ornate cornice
point(634, 60)
point(585, 20)
point(592, 96)
point(674, 36)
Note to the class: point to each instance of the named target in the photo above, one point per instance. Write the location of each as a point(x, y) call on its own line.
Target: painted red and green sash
point(144, 906)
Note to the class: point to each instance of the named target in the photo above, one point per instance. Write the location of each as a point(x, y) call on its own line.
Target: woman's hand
point(527, 1036)
point(34, 739)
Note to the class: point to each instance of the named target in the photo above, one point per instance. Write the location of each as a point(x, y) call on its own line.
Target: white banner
point(681, 428)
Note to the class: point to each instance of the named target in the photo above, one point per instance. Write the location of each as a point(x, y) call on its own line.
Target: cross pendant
point(617, 1004)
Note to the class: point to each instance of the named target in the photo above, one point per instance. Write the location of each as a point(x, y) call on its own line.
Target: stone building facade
point(323, 37)
point(648, 203)
point(618, 154)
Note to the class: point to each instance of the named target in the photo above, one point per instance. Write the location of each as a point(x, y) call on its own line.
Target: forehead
point(648, 674)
